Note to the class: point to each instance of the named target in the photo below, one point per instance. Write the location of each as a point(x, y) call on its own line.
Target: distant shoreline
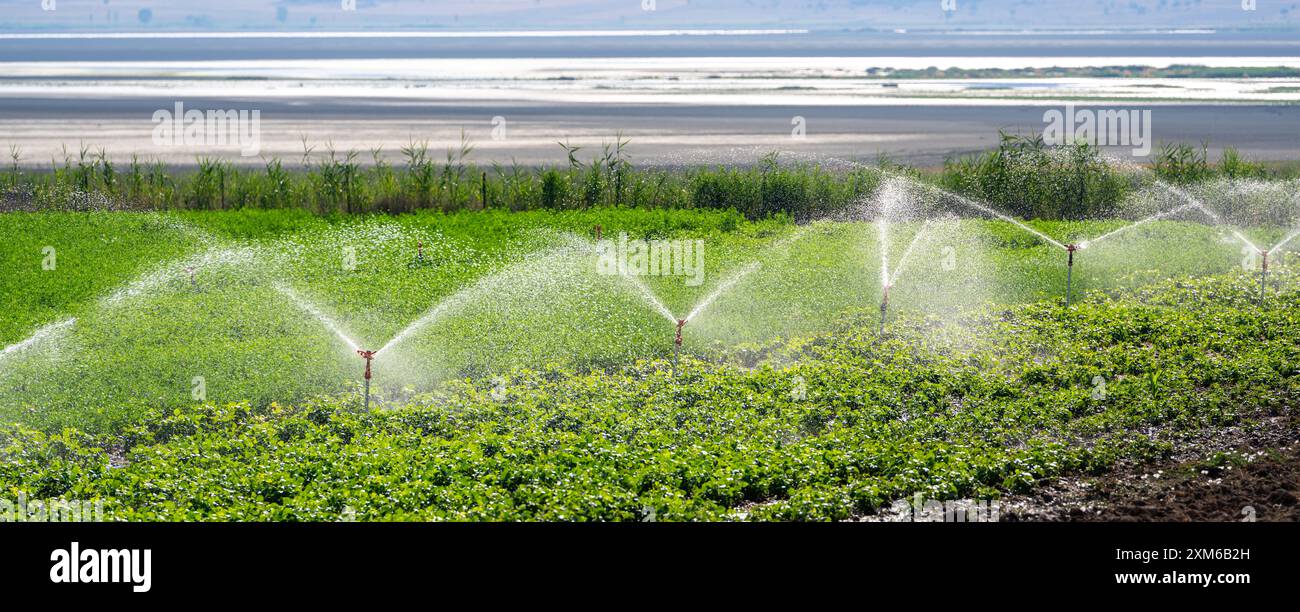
point(661, 135)
point(18, 32)
point(178, 46)
point(384, 34)
point(682, 99)
point(1132, 71)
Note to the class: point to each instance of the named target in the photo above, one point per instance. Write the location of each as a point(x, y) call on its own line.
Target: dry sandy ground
point(660, 134)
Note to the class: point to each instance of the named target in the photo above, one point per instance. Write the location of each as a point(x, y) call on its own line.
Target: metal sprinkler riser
point(1263, 275)
point(677, 344)
point(1069, 270)
point(368, 356)
point(884, 308)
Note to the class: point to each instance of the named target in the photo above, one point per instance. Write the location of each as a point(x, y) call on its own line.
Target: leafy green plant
point(880, 421)
point(1027, 178)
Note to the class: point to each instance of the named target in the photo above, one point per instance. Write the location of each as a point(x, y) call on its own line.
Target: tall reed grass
point(1023, 176)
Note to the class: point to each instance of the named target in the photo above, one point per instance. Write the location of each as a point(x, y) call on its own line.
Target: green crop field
point(202, 364)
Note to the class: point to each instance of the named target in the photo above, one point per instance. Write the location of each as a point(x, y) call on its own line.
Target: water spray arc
point(1263, 253)
point(316, 313)
point(658, 305)
point(973, 205)
point(47, 332)
point(1189, 203)
point(1263, 270)
point(1292, 236)
point(889, 278)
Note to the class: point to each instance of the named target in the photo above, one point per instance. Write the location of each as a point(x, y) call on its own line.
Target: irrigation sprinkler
point(598, 232)
point(1069, 270)
point(677, 344)
point(1263, 275)
point(368, 356)
point(884, 309)
point(419, 251)
point(194, 281)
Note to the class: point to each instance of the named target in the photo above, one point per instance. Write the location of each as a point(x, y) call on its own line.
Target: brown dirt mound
point(1247, 474)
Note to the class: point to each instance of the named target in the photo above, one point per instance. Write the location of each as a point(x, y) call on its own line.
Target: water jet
point(40, 335)
point(888, 278)
point(972, 204)
point(721, 289)
point(316, 313)
point(658, 305)
point(1292, 236)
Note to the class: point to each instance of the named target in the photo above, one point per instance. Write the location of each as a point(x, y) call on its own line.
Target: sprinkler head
point(598, 232)
point(1264, 258)
point(419, 250)
point(368, 356)
point(884, 307)
point(680, 324)
point(1071, 248)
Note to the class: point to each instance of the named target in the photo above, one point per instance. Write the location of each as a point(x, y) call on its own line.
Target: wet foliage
point(827, 426)
point(202, 364)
